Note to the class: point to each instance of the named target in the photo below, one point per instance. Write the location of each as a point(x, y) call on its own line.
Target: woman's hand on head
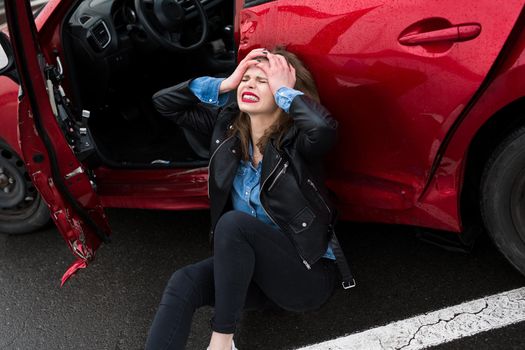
point(235, 78)
point(278, 72)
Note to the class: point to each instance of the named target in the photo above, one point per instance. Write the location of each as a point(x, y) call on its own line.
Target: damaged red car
point(429, 96)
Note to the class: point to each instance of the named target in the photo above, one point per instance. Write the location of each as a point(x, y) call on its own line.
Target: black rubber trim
point(12, 19)
point(252, 3)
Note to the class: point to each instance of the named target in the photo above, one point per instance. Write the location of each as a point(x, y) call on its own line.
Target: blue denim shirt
point(247, 182)
point(246, 191)
point(206, 89)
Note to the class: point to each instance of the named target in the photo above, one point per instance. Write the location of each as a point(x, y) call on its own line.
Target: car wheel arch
point(485, 141)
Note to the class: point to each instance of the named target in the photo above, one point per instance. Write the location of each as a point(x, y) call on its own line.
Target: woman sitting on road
point(271, 221)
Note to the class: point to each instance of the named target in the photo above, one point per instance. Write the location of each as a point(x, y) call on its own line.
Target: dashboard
point(106, 25)
point(107, 50)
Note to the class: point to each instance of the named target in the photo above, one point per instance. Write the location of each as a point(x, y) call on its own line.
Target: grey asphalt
point(110, 304)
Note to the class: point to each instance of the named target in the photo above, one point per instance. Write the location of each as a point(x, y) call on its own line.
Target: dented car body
point(429, 98)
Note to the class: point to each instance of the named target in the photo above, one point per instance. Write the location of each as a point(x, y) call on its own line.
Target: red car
point(429, 95)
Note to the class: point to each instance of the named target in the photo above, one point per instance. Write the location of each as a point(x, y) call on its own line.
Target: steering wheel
point(162, 20)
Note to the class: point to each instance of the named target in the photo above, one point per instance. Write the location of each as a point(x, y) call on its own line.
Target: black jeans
point(253, 265)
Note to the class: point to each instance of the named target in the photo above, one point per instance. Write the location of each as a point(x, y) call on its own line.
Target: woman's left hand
point(278, 72)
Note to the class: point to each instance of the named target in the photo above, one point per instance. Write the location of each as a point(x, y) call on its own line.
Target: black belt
point(348, 280)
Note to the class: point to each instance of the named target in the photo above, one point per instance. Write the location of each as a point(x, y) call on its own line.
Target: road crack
point(454, 316)
point(381, 343)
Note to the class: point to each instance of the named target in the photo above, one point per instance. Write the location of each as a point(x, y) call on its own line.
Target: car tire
point(22, 209)
point(503, 198)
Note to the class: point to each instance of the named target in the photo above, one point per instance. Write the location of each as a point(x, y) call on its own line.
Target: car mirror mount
point(7, 59)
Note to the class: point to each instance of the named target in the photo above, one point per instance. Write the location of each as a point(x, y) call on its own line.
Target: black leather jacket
point(292, 190)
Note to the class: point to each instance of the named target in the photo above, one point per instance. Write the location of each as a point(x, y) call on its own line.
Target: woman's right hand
point(235, 78)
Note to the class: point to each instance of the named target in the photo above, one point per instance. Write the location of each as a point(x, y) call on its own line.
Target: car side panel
point(9, 113)
point(395, 103)
point(507, 87)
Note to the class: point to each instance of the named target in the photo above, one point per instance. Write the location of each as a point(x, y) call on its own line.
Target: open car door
point(52, 139)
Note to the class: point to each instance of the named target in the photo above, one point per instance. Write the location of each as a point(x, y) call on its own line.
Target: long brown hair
point(242, 126)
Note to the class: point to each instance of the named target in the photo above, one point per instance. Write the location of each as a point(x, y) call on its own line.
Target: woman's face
point(253, 93)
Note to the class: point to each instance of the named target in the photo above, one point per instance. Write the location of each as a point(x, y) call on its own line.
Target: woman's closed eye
point(259, 80)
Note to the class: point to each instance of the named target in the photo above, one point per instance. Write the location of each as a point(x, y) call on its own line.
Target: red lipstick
point(249, 97)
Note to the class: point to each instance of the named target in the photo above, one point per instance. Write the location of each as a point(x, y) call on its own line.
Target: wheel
point(22, 209)
point(503, 198)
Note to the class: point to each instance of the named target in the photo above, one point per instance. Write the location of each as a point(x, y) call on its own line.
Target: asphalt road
point(110, 305)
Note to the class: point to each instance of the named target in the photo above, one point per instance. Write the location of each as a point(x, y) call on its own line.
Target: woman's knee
point(230, 226)
point(179, 286)
point(232, 218)
point(191, 283)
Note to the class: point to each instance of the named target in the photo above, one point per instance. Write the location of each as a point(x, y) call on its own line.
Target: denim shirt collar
point(249, 162)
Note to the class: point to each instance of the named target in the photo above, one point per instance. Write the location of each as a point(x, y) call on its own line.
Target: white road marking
point(437, 327)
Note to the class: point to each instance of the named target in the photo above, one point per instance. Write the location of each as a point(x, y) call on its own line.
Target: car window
point(37, 6)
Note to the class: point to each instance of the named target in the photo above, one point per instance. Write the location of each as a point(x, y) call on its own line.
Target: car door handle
point(462, 32)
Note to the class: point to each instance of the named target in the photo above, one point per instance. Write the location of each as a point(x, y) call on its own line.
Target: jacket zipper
point(267, 214)
point(211, 158)
point(283, 170)
point(310, 182)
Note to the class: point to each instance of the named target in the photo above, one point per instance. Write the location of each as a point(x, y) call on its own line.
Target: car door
point(396, 75)
point(62, 180)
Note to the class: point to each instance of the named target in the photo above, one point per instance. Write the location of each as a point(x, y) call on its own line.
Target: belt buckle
point(348, 285)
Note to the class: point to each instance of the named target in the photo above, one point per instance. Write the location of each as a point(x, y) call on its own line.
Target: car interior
point(118, 53)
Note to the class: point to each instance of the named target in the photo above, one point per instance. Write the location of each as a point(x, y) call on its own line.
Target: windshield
point(37, 6)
